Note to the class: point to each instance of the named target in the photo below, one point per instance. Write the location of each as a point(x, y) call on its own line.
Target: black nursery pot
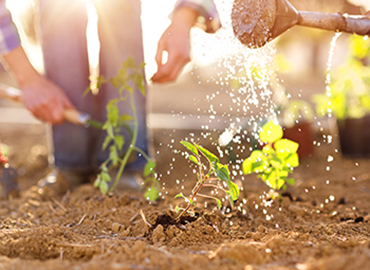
point(354, 136)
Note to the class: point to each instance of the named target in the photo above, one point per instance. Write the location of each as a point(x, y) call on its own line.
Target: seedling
point(210, 174)
point(276, 160)
point(116, 121)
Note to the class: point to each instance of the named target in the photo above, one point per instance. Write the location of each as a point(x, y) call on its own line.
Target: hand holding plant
point(276, 160)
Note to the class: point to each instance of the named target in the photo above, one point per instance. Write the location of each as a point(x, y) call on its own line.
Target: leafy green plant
point(128, 75)
point(348, 94)
point(210, 174)
point(276, 160)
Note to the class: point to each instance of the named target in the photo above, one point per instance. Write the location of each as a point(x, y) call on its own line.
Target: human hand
point(45, 100)
point(176, 42)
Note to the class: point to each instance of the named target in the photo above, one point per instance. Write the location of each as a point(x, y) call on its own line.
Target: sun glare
point(93, 44)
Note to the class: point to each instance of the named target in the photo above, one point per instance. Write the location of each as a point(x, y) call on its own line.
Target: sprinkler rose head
point(255, 21)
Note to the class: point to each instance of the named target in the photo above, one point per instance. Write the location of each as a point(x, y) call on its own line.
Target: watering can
point(256, 22)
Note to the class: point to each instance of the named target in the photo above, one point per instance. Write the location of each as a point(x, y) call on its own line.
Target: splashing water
point(242, 96)
point(246, 76)
point(330, 64)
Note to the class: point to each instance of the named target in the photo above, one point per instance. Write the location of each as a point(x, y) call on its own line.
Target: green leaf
point(284, 173)
point(257, 162)
point(177, 209)
point(270, 132)
point(219, 205)
point(119, 140)
point(210, 156)
point(191, 201)
point(285, 145)
point(180, 195)
point(247, 166)
point(275, 183)
point(103, 186)
point(277, 162)
point(234, 190)
point(141, 87)
point(138, 79)
point(105, 176)
point(142, 65)
point(193, 159)
point(190, 147)
point(222, 172)
point(113, 155)
point(129, 63)
point(149, 167)
point(97, 182)
point(113, 114)
point(125, 118)
point(290, 181)
point(109, 128)
point(152, 194)
point(268, 150)
point(292, 160)
point(106, 142)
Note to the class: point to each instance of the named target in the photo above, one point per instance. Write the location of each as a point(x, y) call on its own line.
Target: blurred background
point(205, 97)
point(301, 53)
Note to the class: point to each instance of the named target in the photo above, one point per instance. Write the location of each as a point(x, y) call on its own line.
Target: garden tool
point(8, 179)
point(256, 22)
point(71, 115)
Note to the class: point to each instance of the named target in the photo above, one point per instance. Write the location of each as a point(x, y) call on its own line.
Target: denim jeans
point(63, 40)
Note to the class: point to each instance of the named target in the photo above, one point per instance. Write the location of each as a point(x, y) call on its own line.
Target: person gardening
point(62, 24)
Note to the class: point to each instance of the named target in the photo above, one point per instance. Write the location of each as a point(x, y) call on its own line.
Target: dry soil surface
point(320, 223)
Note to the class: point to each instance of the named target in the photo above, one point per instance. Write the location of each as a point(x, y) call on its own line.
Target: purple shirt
point(9, 38)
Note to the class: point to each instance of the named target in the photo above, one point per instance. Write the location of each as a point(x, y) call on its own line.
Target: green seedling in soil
point(210, 174)
point(276, 160)
point(127, 76)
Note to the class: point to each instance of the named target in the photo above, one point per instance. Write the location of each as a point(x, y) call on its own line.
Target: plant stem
point(195, 192)
point(132, 144)
point(142, 152)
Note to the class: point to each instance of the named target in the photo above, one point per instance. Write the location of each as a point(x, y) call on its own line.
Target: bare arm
point(176, 42)
point(42, 97)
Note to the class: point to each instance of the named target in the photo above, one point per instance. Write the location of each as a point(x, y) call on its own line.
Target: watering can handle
point(353, 24)
point(71, 115)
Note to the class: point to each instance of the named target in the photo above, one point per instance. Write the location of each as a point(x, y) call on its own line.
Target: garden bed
point(323, 222)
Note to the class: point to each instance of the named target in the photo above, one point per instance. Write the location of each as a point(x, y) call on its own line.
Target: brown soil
point(306, 229)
